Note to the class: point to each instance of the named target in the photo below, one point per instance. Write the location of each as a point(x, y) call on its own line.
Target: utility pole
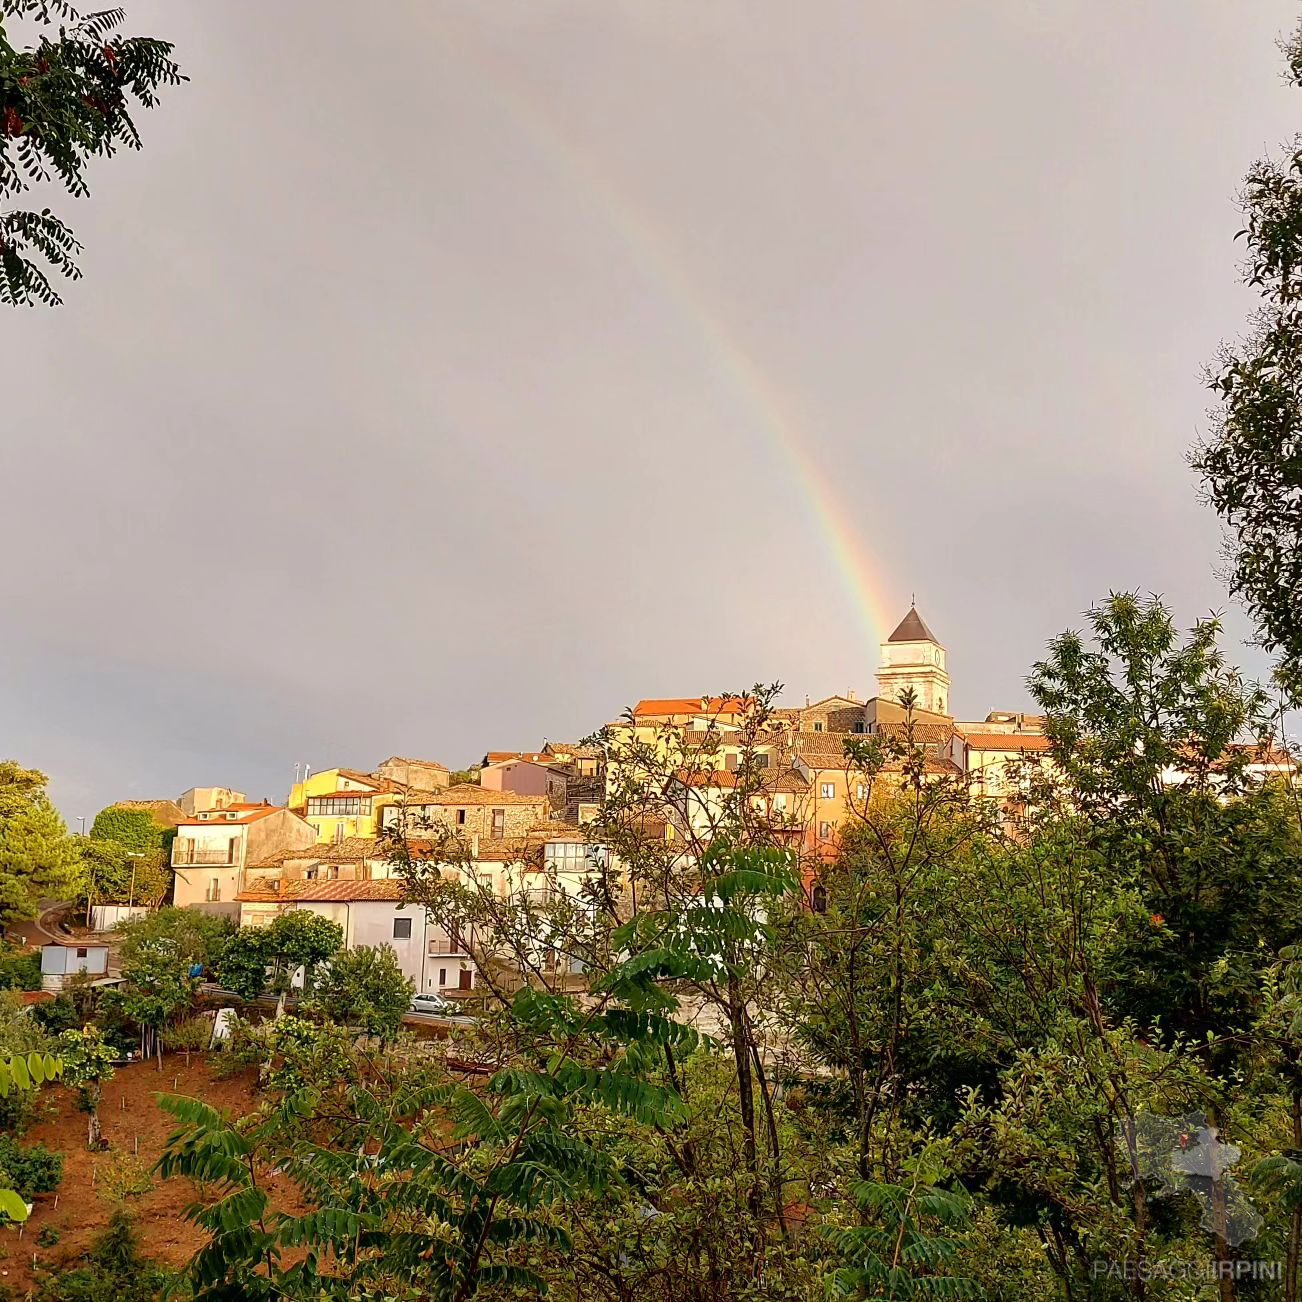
point(131, 892)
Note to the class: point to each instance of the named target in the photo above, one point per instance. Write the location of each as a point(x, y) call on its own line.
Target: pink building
point(526, 778)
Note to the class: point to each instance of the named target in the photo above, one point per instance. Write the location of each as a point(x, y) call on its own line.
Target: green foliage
point(197, 937)
point(113, 875)
point(192, 1035)
point(20, 969)
point(87, 1064)
point(295, 1053)
point(1251, 463)
point(20, 1074)
point(121, 1176)
point(65, 99)
point(38, 859)
point(365, 988)
point(135, 830)
point(258, 959)
point(157, 986)
point(29, 1170)
point(114, 1271)
point(901, 1249)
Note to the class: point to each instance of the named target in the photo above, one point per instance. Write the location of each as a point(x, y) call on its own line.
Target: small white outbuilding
point(61, 959)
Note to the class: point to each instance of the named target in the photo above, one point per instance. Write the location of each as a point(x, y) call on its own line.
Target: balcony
point(188, 854)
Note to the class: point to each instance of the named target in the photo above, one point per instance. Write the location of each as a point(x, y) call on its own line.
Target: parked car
point(435, 1005)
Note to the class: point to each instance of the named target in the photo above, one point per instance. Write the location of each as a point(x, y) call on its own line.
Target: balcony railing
point(185, 854)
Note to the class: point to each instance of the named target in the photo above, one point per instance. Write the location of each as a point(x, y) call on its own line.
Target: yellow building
point(341, 803)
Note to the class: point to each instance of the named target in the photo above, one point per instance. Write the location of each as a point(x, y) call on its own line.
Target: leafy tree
point(157, 986)
point(365, 988)
point(902, 1249)
point(106, 872)
point(199, 937)
point(136, 830)
point(38, 859)
point(87, 1065)
point(64, 100)
point(373, 1189)
point(1251, 465)
point(258, 959)
point(1146, 731)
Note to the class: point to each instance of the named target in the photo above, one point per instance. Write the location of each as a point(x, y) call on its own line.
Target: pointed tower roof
point(912, 629)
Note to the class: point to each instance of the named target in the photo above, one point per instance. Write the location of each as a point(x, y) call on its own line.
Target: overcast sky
point(409, 404)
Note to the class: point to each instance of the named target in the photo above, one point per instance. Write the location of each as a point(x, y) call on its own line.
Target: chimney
point(850, 696)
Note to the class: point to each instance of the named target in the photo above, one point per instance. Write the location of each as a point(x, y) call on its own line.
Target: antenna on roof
point(913, 600)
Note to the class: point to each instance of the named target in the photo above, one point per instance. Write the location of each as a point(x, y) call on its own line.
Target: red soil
point(82, 1208)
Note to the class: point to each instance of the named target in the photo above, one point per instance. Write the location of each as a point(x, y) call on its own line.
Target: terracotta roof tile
point(660, 706)
point(1007, 741)
point(223, 817)
point(471, 793)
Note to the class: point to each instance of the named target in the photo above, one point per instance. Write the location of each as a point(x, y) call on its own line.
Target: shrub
point(20, 969)
point(31, 1170)
point(191, 1035)
point(121, 1176)
point(48, 1236)
point(114, 1272)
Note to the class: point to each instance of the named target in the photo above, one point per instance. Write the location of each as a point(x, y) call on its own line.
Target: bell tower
point(912, 658)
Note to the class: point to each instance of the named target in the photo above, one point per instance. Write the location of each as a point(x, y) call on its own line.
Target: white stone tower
point(912, 658)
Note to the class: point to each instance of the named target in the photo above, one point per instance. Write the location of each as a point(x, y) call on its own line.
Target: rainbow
point(872, 600)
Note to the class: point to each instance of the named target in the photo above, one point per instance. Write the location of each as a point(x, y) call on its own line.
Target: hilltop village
point(328, 848)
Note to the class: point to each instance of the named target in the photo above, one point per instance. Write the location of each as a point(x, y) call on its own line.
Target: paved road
point(41, 931)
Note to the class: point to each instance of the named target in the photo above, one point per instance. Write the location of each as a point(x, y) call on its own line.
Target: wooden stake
point(137, 1145)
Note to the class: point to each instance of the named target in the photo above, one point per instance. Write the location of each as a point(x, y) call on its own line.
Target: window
point(443, 976)
point(780, 800)
point(818, 898)
point(858, 726)
point(827, 790)
point(339, 806)
point(499, 823)
point(461, 817)
point(402, 928)
point(81, 953)
point(762, 760)
point(230, 850)
point(825, 831)
point(340, 829)
point(573, 856)
point(861, 791)
point(818, 725)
